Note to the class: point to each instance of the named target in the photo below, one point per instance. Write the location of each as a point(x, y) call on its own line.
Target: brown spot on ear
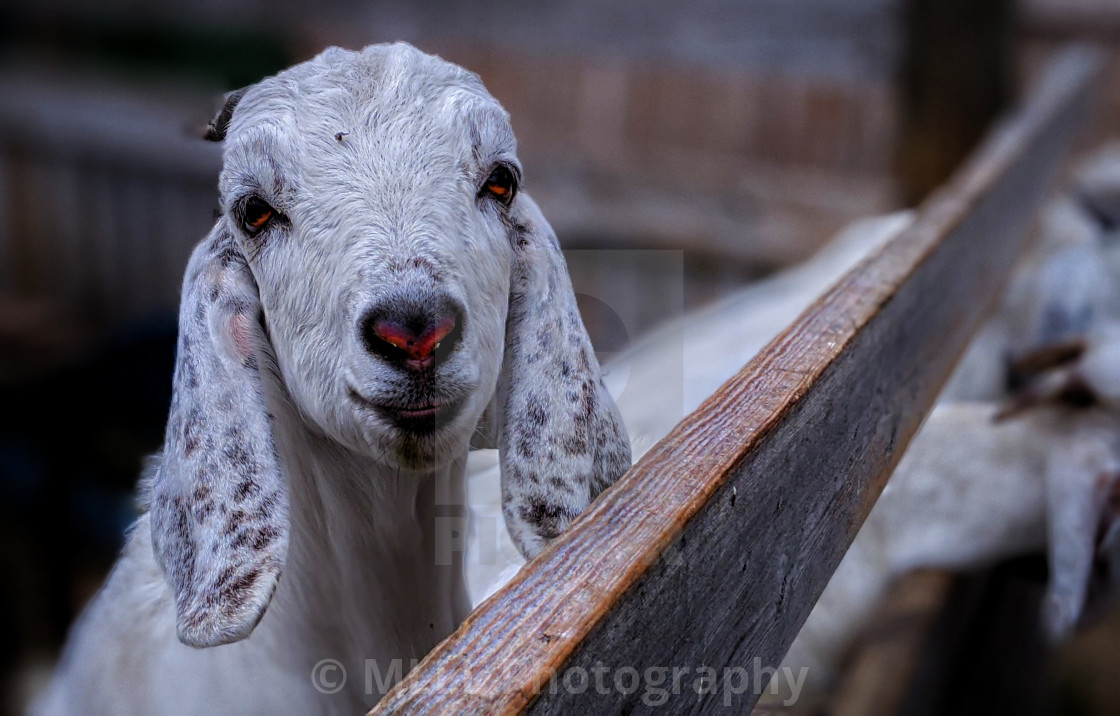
point(576, 444)
point(233, 522)
point(234, 594)
point(558, 483)
point(549, 519)
point(588, 404)
point(224, 578)
point(246, 489)
point(182, 535)
point(192, 430)
point(264, 537)
point(525, 448)
point(536, 411)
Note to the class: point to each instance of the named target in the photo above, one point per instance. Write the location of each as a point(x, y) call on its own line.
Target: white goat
point(376, 280)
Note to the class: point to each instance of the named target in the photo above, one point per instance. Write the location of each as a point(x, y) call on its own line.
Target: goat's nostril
point(416, 342)
point(416, 345)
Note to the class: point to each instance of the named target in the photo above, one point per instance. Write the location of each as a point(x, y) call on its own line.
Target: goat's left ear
point(217, 496)
point(561, 439)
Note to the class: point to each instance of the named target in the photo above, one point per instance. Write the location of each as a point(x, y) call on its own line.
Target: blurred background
point(740, 135)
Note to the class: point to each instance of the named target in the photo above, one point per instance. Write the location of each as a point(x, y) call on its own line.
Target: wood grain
point(711, 551)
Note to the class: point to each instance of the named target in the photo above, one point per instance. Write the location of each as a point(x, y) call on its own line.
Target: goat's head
point(372, 241)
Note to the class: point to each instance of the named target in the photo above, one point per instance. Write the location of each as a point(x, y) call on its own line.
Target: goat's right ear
point(216, 130)
point(218, 498)
point(561, 438)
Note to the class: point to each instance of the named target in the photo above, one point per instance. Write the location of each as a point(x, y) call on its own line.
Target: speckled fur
point(562, 440)
point(290, 521)
point(217, 495)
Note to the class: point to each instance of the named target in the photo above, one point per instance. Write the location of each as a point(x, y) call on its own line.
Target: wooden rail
point(711, 551)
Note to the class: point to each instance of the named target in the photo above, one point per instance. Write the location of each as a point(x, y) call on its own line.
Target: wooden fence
point(714, 547)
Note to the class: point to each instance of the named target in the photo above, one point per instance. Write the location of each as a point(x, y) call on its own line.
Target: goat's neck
point(372, 567)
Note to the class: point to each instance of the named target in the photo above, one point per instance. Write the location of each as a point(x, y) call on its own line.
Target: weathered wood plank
point(711, 551)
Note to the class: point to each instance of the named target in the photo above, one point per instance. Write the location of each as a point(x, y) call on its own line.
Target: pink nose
point(413, 329)
point(417, 346)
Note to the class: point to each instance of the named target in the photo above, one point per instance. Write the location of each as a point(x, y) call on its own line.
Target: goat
point(377, 282)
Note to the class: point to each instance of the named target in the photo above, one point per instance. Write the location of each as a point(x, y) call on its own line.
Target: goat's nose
point(415, 335)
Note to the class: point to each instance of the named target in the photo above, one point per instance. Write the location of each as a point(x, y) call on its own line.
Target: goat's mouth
point(420, 418)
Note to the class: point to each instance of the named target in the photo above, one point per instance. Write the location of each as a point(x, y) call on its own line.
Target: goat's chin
point(418, 433)
point(425, 452)
point(418, 445)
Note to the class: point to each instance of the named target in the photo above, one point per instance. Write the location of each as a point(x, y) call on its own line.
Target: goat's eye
point(255, 215)
point(501, 184)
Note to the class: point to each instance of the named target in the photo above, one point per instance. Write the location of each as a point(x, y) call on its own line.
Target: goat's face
point(371, 200)
point(373, 249)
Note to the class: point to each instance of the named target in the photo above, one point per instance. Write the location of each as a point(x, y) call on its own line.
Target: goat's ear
point(561, 438)
point(216, 130)
point(218, 499)
point(1083, 521)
